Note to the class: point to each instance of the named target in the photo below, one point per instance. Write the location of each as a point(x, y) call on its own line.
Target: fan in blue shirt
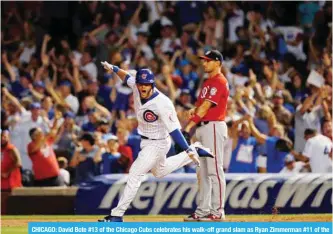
point(275, 157)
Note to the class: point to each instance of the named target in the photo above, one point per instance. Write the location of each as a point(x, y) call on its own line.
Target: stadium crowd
point(64, 120)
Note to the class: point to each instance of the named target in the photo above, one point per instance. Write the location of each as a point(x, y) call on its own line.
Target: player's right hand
point(190, 113)
point(107, 66)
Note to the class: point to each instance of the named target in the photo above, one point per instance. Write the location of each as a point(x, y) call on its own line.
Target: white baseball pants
point(152, 157)
point(212, 180)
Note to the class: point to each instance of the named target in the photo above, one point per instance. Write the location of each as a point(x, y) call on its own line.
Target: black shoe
point(111, 218)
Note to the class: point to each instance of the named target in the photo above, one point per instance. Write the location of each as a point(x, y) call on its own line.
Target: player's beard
point(147, 94)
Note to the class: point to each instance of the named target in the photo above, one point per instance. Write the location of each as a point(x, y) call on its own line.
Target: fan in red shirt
point(212, 131)
point(10, 164)
point(44, 162)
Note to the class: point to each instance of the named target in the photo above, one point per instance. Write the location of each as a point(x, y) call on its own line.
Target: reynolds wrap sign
point(245, 194)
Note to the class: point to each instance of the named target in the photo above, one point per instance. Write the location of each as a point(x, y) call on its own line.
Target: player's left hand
point(107, 66)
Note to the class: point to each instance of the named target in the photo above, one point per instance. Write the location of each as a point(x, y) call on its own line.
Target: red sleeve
point(216, 91)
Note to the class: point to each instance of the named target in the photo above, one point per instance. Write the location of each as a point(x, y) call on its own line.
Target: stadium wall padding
point(245, 194)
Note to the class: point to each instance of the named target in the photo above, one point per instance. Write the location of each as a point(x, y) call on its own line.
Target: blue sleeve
point(179, 139)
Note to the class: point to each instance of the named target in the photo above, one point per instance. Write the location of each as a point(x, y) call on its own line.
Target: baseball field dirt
point(19, 224)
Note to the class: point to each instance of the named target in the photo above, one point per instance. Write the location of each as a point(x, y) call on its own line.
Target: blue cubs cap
point(212, 55)
point(144, 76)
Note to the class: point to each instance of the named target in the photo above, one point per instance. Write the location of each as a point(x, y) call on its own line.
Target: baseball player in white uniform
point(157, 122)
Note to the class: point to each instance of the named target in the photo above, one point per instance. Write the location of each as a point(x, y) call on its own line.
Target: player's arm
point(179, 139)
point(200, 112)
point(123, 75)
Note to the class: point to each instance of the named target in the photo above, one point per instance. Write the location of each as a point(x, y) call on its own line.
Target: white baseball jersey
point(157, 117)
point(317, 149)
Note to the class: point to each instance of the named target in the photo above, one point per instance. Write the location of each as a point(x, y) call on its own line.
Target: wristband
point(115, 69)
point(196, 119)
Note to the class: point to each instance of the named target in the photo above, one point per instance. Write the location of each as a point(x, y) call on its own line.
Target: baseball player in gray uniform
point(208, 117)
point(157, 122)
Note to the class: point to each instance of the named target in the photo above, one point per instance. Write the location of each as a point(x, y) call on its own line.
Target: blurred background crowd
point(64, 120)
